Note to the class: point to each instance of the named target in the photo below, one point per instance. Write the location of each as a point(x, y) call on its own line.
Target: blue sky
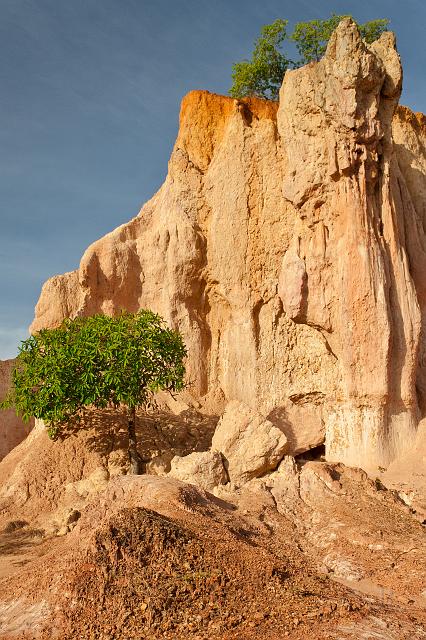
point(89, 102)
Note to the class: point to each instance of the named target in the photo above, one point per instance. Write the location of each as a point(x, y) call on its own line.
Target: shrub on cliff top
point(97, 361)
point(263, 74)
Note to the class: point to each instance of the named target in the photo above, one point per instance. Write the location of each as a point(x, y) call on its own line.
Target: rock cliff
point(288, 245)
point(12, 429)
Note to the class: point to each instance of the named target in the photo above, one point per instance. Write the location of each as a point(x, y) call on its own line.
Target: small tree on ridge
point(262, 76)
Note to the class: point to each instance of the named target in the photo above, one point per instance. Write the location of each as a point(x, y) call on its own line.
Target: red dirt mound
point(147, 576)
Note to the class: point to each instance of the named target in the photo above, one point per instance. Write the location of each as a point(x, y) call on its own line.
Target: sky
point(89, 105)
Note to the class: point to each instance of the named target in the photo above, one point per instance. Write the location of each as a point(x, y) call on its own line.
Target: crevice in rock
point(317, 453)
point(310, 397)
point(256, 324)
point(327, 346)
point(245, 113)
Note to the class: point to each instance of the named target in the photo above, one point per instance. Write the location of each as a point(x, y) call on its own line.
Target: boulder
point(204, 469)
point(302, 422)
point(249, 443)
point(284, 485)
point(160, 465)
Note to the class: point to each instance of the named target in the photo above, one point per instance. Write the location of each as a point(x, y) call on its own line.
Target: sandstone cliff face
point(12, 429)
point(288, 246)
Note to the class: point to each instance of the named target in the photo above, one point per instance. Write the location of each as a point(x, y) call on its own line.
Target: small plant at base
point(97, 361)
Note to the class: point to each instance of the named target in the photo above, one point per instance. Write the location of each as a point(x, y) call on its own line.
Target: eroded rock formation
point(12, 429)
point(288, 246)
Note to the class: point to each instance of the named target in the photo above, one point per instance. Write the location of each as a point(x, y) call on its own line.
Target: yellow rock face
point(288, 245)
point(12, 429)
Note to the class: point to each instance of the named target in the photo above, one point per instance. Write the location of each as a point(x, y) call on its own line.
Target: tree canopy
point(263, 74)
point(97, 361)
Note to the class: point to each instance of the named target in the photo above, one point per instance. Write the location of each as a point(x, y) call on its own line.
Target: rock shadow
point(279, 418)
point(157, 432)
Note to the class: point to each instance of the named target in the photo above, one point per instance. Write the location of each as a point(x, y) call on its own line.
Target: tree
point(263, 74)
point(311, 38)
point(97, 361)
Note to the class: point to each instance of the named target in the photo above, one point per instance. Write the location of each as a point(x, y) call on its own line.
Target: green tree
point(97, 361)
point(262, 76)
point(311, 38)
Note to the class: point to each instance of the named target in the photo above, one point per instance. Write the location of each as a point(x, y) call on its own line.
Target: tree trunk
point(136, 462)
